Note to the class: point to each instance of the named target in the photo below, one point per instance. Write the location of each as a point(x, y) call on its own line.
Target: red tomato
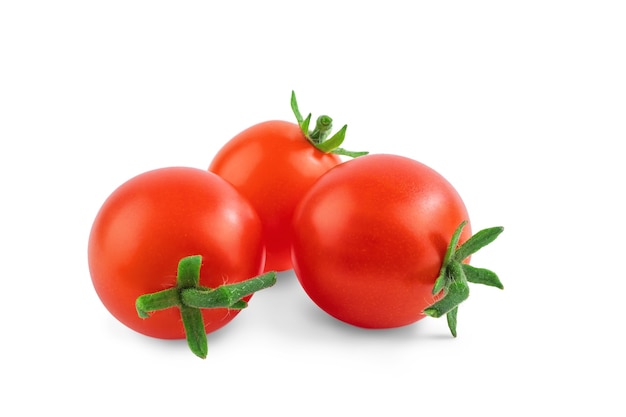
point(370, 237)
point(273, 164)
point(153, 220)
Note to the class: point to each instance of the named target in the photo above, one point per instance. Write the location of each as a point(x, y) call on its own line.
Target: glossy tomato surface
point(370, 237)
point(152, 221)
point(272, 164)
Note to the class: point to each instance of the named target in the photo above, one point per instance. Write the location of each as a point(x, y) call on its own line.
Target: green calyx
point(454, 275)
point(318, 136)
point(190, 298)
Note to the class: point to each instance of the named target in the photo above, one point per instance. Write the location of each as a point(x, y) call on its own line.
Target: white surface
point(519, 104)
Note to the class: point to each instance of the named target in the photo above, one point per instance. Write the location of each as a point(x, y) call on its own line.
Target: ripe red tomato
point(272, 164)
point(153, 220)
point(370, 237)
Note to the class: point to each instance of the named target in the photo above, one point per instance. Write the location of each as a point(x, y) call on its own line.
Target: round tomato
point(370, 237)
point(148, 224)
point(273, 164)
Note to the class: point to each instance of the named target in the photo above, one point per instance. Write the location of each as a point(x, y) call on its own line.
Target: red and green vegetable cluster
point(375, 240)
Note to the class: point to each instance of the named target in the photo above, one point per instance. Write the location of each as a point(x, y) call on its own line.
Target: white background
point(520, 105)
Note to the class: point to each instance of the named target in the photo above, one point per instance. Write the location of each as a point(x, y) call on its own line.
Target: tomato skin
point(272, 164)
point(370, 237)
point(153, 220)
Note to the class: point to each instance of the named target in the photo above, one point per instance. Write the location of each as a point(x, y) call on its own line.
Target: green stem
point(226, 295)
point(451, 318)
point(157, 301)
point(323, 126)
point(194, 330)
point(454, 241)
point(318, 137)
point(189, 272)
point(455, 293)
point(454, 276)
point(190, 298)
